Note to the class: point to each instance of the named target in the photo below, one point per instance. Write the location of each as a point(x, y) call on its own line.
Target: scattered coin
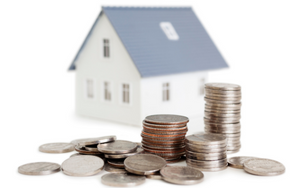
point(238, 162)
point(84, 151)
point(112, 169)
point(182, 175)
point(118, 163)
point(144, 164)
point(58, 147)
point(155, 176)
point(85, 165)
point(91, 148)
point(122, 180)
point(118, 147)
point(263, 167)
point(94, 141)
point(39, 168)
point(123, 156)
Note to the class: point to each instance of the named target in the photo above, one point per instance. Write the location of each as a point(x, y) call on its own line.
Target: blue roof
point(148, 46)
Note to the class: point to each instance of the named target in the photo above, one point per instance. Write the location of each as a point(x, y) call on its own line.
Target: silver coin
point(224, 98)
point(206, 166)
point(221, 120)
point(166, 119)
point(205, 139)
point(123, 156)
point(196, 148)
point(223, 86)
point(221, 130)
point(232, 151)
point(91, 148)
point(122, 180)
point(118, 147)
point(263, 167)
point(207, 169)
point(58, 147)
point(39, 168)
point(230, 135)
point(112, 169)
point(94, 141)
point(214, 163)
point(219, 106)
point(154, 176)
point(164, 126)
point(223, 126)
point(221, 101)
point(207, 147)
point(236, 147)
point(218, 111)
point(182, 175)
point(118, 163)
point(222, 94)
point(84, 165)
point(222, 115)
point(205, 156)
point(238, 162)
point(84, 151)
point(144, 164)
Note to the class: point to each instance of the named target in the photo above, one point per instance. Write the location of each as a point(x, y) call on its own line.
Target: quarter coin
point(94, 141)
point(238, 162)
point(58, 147)
point(167, 119)
point(155, 176)
point(122, 180)
point(223, 86)
point(118, 147)
point(207, 169)
point(112, 169)
point(182, 175)
point(118, 163)
point(39, 168)
point(206, 139)
point(123, 156)
point(263, 167)
point(84, 151)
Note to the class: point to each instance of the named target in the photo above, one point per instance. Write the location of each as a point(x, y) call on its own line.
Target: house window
point(106, 48)
point(166, 91)
point(202, 85)
point(90, 88)
point(169, 30)
point(107, 91)
point(125, 93)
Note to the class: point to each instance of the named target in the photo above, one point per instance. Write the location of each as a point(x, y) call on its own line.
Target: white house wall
point(185, 97)
point(117, 69)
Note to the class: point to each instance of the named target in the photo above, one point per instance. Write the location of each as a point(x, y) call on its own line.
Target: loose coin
point(122, 180)
point(84, 165)
point(118, 163)
point(56, 147)
point(144, 164)
point(223, 86)
point(181, 175)
point(166, 119)
point(112, 169)
point(263, 167)
point(84, 151)
point(238, 162)
point(206, 139)
point(92, 148)
point(118, 147)
point(123, 156)
point(94, 141)
point(155, 176)
point(39, 168)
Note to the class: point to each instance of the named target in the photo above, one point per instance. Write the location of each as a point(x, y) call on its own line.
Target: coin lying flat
point(123, 156)
point(263, 167)
point(206, 139)
point(166, 119)
point(84, 151)
point(112, 169)
point(223, 86)
point(91, 148)
point(182, 175)
point(144, 164)
point(39, 168)
point(118, 163)
point(122, 180)
point(58, 147)
point(118, 147)
point(94, 141)
point(84, 165)
point(155, 176)
point(238, 162)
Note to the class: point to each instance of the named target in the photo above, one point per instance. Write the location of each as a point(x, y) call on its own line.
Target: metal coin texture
point(221, 101)
point(206, 139)
point(84, 151)
point(263, 167)
point(94, 141)
point(232, 151)
point(223, 86)
point(122, 180)
point(207, 169)
point(118, 163)
point(165, 126)
point(155, 176)
point(167, 119)
point(111, 169)
point(39, 168)
point(196, 148)
point(84, 165)
point(144, 164)
point(92, 148)
point(118, 147)
point(219, 106)
point(58, 147)
point(182, 175)
point(238, 162)
point(123, 156)
point(222, 92)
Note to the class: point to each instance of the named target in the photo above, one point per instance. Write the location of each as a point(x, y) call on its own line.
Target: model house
point(138, 61)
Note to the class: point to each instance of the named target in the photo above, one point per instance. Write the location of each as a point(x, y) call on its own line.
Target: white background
point(259, 39)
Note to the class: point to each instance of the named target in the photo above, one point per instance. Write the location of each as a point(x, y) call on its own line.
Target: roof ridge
point(147, 7)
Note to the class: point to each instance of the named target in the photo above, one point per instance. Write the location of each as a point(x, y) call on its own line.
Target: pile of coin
point(222, 112)
point(206, 152)
point(164, 135)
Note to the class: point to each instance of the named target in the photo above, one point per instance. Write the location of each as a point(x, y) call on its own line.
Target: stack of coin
point(206, 152)
point(222, 112)
point(164, 136)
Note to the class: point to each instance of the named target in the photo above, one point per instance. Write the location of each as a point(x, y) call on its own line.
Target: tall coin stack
point(222, 112)
point(164, 135)
point(206, 151)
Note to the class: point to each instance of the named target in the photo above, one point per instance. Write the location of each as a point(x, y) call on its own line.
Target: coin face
point(39, 168)
point(84, 165)
point(94, 141)
point(112, 169)
point(263, 167)
point(206, 139)
point(58, 147)
point(223, 86)
point(182, 175)
point(238, 162)
point(167, 119)
point(144, 164)
point(122, 180)
point(118, 147)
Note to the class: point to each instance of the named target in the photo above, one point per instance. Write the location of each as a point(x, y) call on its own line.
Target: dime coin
point(238, 162)
point(206, 139)
point(144, 164)
point(182, 175)
point(118, 163)
point(56, 148)
point(263, 167)
point(94, 141)
point(122, 180)
point(118, 147)
point(84, 165)
point(39, 168)
point(112, 169)
point(223, 86)
point(123, 156)
point(166, 119)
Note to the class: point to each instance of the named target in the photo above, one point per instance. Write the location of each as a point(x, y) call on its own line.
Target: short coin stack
point(206, 152)
point(164, 135)
point(222, 112)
